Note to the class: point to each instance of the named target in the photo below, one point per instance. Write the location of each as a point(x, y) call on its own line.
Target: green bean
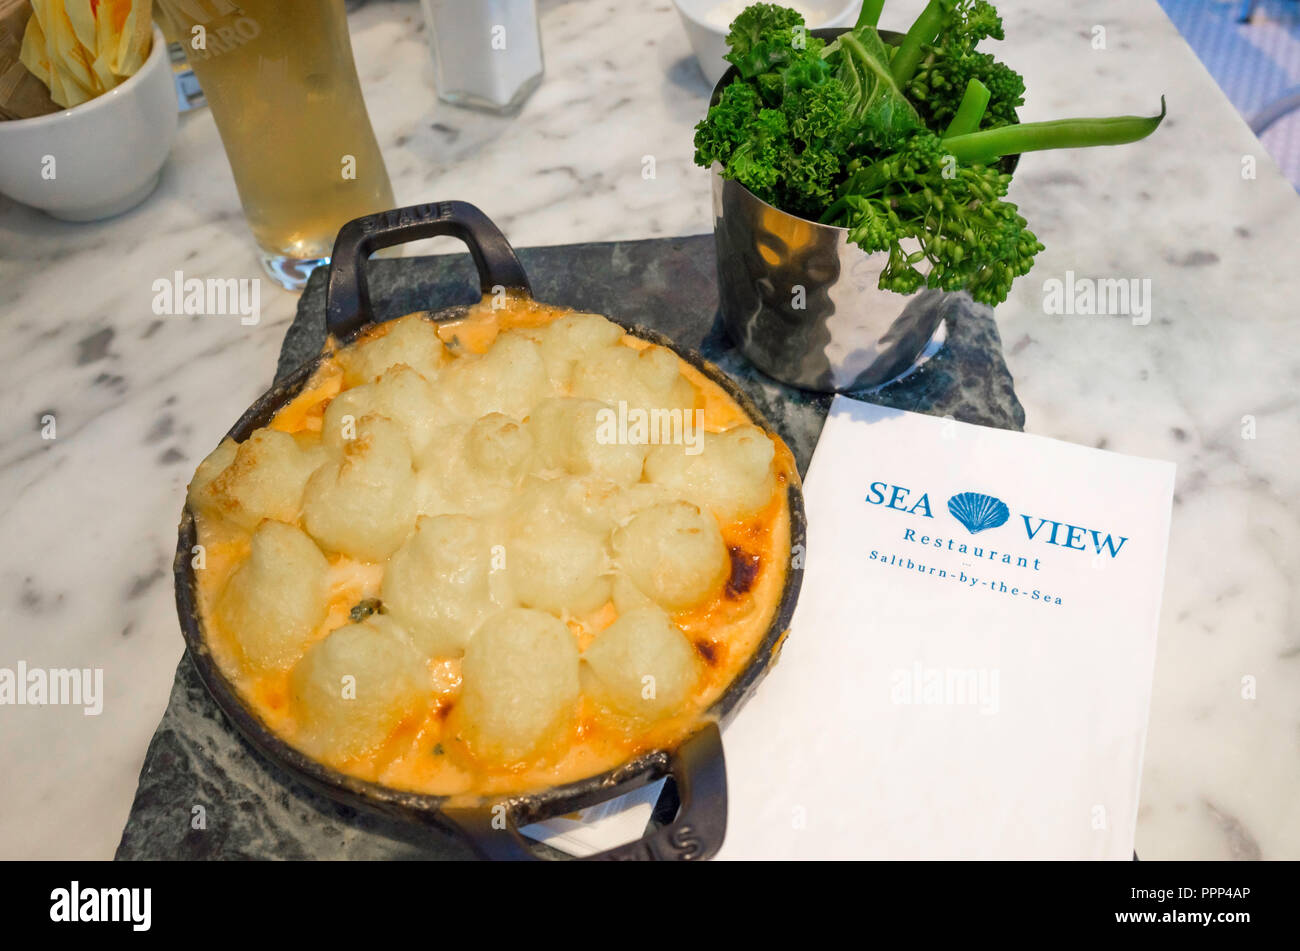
point(988, 145)
point(870, 15)
point(970, 111)
point(922, 33)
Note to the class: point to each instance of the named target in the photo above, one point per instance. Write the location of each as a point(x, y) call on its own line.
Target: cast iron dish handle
point(347, 301)
point(698, 768)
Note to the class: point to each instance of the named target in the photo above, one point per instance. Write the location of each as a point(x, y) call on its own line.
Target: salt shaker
point(487, 54)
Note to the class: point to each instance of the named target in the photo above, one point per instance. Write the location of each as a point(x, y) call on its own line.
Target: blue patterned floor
point(1254, 63)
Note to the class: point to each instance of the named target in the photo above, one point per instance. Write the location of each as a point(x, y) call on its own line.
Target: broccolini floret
point(970, 237)
point(951, 62)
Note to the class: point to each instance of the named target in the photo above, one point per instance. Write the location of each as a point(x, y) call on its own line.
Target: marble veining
point(138, 399)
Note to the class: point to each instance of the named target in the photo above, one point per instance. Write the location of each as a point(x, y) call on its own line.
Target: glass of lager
point(281, 83)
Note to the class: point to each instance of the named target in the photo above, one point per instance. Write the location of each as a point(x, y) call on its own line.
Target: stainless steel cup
point(801, 301)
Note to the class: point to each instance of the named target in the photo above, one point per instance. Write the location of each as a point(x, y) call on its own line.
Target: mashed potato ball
point(411, 340)
point(571, 338)
point(646, 380)
point(352, 689)
point(520, 684)
point(497, 446)
point(199, 494)
point(438, 585)
point(275, 599)
point(265, 479)
point(576, 436)
point(509, 378)
point(674, 553)
point(642, 665)
point(363, 504)
point(556, 563)
point(731, 475)
point(401, 394)
point(626, 595)
point(474, 468)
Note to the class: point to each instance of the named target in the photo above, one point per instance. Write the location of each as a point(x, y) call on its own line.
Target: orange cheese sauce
point(425, 753)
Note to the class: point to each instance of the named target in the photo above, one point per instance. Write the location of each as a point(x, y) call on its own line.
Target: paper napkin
point(600, 827)
point(968, 672)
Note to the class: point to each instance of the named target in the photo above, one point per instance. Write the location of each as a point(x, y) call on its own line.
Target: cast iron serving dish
point(696, 765)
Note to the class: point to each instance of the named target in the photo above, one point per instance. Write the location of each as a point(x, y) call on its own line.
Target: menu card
point(968, 671)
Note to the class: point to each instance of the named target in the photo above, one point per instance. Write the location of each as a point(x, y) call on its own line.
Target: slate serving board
point(250, 810)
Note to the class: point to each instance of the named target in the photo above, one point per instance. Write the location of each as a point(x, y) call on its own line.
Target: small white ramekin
point(710, 42)
point(99, 158)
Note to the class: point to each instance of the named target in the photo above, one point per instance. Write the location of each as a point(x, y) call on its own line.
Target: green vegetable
point(763, 36)
point(364, 608)
point(899, 146)
point(971, 238)
point(951, 61)
point(971, 110)
point(921, 34)
point(989, 145)
point(784, 132)
point(877, 108)
point(870, 14)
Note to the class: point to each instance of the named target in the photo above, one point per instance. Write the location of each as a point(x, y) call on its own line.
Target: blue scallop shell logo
point(978, 512)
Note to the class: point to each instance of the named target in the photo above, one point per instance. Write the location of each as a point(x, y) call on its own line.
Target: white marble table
point(88, 517)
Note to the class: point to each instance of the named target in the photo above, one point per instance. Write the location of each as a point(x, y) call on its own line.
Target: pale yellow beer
point(282, 85)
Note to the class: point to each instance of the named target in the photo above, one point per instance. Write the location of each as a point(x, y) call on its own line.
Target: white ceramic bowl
point(106, 153)
point(709, 40)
